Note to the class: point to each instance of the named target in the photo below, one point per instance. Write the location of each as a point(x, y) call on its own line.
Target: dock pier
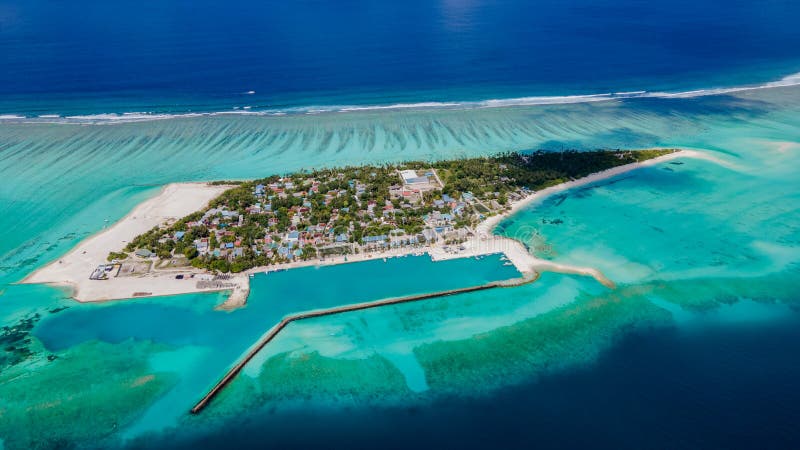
point(270, 335)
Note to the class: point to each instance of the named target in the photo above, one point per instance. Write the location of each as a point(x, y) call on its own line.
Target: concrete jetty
point(270, 335)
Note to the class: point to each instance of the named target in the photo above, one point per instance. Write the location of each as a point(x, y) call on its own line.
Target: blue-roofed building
point(467, 196)
point(374, 239)
point(179, 235)
point(298, 253)
point(229, 245)
point(342, 238)
point(259, 189)
point(293, 236)
point(447, 217)
point(447, 198)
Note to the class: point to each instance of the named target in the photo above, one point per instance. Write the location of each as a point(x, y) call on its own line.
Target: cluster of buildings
point(301, 217)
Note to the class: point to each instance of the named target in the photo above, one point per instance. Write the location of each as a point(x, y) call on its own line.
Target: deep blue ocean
point(91, 57)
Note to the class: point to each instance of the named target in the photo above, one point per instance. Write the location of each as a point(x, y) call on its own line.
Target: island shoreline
point(71, 271)
point(163, 283)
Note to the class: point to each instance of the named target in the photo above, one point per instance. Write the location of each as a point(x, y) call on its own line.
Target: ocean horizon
point(85, 60)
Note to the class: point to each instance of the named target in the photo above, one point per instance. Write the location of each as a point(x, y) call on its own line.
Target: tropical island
point(351, 210)
point(212, 236)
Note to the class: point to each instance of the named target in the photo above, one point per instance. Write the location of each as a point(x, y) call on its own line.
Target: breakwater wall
point(270, 335)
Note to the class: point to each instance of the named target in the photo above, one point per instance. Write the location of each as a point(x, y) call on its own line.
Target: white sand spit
point(73, 269)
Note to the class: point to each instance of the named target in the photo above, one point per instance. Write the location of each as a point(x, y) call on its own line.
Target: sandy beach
point(178, 200)
point(73, 269)
point(486, 227)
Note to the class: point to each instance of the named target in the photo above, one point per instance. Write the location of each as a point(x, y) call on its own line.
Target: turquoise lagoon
point(682, 240)
point(193, 341)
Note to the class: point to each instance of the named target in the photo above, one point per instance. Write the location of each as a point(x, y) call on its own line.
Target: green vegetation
point(226, 182)
point(310, 214)
point(116, 255)
point(508, 171)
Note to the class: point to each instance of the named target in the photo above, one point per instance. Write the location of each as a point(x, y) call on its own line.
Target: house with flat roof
point(429, 235)
point(374, 239)
point(416, 183)
point(143, 253)
point(411, 177)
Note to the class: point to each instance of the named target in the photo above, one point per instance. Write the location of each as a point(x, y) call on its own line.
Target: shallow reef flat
point(84, 394)
point(687, 222)
point(467, 345)
point(353, 355)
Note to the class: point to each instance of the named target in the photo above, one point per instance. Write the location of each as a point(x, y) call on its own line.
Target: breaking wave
point(110, 118)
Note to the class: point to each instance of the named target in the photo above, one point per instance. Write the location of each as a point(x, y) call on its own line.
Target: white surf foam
point(397, 106)
point(789, 80)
